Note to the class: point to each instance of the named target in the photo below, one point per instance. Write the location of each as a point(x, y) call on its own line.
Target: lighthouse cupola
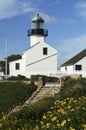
point(37, 33)
point(37, 22)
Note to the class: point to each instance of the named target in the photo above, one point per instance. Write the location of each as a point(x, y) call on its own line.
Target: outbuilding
point(76, 65)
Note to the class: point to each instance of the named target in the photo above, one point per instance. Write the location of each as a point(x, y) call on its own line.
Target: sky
point(65, 21)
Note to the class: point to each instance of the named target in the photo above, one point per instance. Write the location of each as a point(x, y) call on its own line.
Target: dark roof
point(75, 59)
point(38, 19)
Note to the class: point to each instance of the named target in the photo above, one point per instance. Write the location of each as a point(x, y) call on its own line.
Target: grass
point(13, 93)
point(73, 88)
point(65, 111)
point(68, 114)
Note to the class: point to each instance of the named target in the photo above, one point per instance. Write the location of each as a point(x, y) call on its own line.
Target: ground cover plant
point(13, 93)
point(66, 111)
point(68, 114)
point(73, 88)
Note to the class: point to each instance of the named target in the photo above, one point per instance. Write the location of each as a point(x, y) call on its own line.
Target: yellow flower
point(71, 128)
point(44, 117)
point(37, 127)
point(34, 129)
point(43, 126)
point(62, 111)
point(58, 125)
point(51, 108)
point(51, 115)
point(18, 129)
point(9, 129)
point(41, 122)
point(84, 125)
point(48, 125)
point(72, 109)
point(83, 108)
point(69, 107)
point(54, 118)
point(4, 117)
point(68, 119)
point(63, 122)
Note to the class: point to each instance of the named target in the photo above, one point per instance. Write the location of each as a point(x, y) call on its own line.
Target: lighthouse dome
point(38, 19)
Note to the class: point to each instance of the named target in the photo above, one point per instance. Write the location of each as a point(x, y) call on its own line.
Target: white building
point(76, 65)
point(40, 58)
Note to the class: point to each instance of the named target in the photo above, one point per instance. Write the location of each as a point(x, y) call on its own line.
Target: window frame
point(45, 50)
point(65, 68)
point(17, 66)
point(78, 67)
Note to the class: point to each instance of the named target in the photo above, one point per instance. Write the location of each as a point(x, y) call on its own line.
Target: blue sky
point(64, 19)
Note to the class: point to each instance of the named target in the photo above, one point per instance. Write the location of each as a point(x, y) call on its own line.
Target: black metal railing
point(43, 32)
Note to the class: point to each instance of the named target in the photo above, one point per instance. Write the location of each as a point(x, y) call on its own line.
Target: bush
point(68, 114)
point(44, 78)
point(36, 110)
point(14, 93)
point(17, 78)
point(73, 88)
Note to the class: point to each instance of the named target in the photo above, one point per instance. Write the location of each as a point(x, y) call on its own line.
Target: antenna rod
point(6, 48)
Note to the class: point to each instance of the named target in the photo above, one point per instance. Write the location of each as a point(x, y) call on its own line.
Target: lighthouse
point(40, 58)
point(37, 33)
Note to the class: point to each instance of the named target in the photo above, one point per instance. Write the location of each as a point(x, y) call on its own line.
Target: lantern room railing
point(43, 32)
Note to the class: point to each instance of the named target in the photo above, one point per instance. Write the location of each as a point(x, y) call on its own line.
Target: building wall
point(46, 66)
point(35, 39)
point(71, 69)
point(34, 62)
point(67, 69)
point(35, 53)
point(13, 71)
point(83, 63)
point(37, 63)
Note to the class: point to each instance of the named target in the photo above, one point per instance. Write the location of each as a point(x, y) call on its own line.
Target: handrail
point(53, 87)
point(33, 95)
point(29, 100)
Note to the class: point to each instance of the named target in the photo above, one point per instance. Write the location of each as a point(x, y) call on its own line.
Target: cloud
point(68, 21)
point(81, 9)
point(49, 19)
point(10, 8)
point(70, 47)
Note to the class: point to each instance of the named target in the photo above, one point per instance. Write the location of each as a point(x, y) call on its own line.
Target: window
point(66, 68)
point(45, 51)
point(17, 66)
point(78, 67)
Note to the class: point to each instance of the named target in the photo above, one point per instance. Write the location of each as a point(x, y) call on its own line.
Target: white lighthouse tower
point(40, 57)
point(37, 33)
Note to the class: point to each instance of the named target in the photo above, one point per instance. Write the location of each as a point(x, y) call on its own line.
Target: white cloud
point(70, 47)
point(81, 4)
point(81, 9)
point(10, 8)
point(49, 19)
point(68, 21)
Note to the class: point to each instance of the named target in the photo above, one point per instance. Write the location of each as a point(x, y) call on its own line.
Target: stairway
point(45, 92)
point(40, 93)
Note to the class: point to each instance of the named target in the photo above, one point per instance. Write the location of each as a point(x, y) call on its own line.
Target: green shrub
point(14, 93)
point(17, 78)
point(44, 78)
point(68, 113)
point(73, 88)
point(36, 110)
